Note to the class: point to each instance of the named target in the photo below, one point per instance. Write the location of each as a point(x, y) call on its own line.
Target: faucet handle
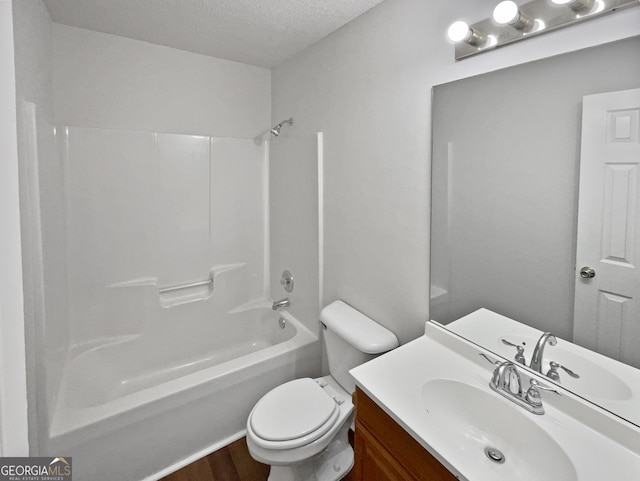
point(553, 371)
point(488, 358)
point(533, 393)
point(520, 354)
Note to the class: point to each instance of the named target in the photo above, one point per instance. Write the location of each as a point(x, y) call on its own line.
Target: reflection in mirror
point(505, 176)
point(604, 381)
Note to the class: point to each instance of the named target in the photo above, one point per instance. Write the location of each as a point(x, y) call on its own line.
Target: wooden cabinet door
point(384, 451)
point(373, 462)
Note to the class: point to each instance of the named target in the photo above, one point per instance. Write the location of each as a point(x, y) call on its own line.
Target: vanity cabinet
point(384, 451)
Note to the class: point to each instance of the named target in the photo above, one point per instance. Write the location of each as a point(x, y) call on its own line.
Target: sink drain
point(494, 455)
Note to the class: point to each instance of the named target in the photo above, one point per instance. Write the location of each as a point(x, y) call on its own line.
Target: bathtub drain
point(494, 455)
point(282, 322)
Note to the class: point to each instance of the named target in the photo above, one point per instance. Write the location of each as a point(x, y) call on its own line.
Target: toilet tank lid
point(359, 330)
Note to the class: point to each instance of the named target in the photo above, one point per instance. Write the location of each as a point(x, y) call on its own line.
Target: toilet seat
point(292, 415)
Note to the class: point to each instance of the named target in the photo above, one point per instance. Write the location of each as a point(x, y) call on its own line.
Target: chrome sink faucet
point(507, 382)
point(281, 304)
point(538, 351)
point(506, 378)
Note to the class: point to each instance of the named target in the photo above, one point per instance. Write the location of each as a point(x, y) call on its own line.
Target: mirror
point(505, 174)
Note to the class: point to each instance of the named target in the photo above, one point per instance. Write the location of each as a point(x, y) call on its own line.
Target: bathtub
point(129, 411)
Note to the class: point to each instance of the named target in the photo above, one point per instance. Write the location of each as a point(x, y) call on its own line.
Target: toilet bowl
point(310, 415)
point(301, 427)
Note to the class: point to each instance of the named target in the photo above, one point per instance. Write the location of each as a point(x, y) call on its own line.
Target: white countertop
point(395, 382)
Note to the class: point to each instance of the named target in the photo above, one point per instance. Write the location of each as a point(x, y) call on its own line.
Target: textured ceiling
point(256, 32)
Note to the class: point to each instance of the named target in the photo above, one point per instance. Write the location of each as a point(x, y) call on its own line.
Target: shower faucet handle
point(287, 281)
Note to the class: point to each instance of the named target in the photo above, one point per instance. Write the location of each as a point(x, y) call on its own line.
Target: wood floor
point(231, 463)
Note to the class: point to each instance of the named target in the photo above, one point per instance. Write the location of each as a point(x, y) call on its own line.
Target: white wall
point(13, 396)
point(41, 208)
point(368, 87)
point(107, 81)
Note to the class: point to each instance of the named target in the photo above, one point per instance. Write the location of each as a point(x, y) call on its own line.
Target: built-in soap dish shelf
point(178, 294)
point(175, 294)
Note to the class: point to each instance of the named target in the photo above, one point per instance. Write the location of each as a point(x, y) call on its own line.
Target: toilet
point(301, 427)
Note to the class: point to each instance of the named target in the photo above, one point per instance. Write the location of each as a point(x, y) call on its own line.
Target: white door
point(607, 306)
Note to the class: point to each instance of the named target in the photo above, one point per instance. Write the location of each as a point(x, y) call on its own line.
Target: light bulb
point(506, 13)
point(458, 31)
point(461, 32)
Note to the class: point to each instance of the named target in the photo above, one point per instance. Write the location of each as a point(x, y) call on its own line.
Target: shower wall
point(147, 211)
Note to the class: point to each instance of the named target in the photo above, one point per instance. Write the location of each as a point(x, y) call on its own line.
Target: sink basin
point(594, 382)
point(470, 422)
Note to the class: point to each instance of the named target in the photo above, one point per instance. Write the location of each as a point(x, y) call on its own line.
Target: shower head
point(276, 130)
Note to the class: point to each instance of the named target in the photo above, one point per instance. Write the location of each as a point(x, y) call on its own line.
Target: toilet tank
point(351, 339)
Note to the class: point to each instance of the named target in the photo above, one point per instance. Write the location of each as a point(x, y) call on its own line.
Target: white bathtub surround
point(171, 332)
point(153, 233)
point(44, 237)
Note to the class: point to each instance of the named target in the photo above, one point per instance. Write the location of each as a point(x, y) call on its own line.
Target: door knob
point(587, 273)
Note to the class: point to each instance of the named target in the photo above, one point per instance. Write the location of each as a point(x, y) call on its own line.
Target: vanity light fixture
point(508, 13)
point(511, 22)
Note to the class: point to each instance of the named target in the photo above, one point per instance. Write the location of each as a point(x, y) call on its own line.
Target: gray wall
point(510, 142)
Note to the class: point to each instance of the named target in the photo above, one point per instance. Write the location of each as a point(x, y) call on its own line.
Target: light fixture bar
point(533, 18)
point(578, 6)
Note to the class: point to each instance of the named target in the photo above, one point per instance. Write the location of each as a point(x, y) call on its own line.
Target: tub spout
point(281, 304)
